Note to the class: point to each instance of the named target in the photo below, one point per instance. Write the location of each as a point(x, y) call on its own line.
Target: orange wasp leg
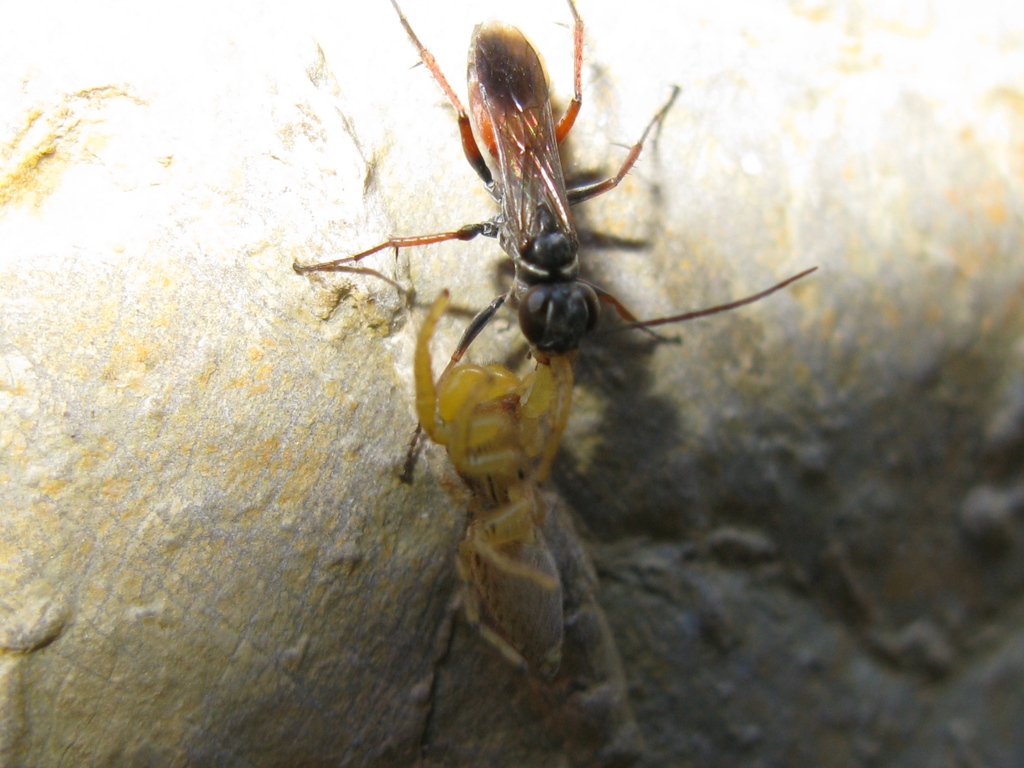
point(469, 146)
point(566, 121)
point(468, 232)
point(579, 194)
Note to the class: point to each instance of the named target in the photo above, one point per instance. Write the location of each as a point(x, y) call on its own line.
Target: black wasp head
point(554, 317)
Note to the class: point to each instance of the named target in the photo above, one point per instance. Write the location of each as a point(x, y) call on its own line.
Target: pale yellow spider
point(502, 433)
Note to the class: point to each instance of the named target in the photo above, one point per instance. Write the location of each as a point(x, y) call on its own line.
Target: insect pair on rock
point(501, 431)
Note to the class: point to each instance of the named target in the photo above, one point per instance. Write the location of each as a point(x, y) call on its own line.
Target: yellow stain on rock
point(50, 140)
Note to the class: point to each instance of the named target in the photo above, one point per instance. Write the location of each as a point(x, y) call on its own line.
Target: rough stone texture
point(807, 517)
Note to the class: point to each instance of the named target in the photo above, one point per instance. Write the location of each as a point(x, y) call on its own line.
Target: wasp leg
point(476, 325)
point(468, 232)
point(469, 146)
point(579, 194)
point(566, 121)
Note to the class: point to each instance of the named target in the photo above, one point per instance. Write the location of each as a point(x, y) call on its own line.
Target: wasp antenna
point(721, 307)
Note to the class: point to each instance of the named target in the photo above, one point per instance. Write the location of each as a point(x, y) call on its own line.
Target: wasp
point(510, 114)
point(501, 433)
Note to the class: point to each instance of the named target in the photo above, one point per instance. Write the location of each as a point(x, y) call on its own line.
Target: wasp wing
point(511, 108)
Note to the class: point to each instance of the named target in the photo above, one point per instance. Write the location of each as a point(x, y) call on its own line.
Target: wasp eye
point(554, 317)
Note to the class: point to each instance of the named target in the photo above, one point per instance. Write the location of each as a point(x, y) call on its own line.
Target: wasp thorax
point(550, 251)
point(550, 248)
point(554, 317)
